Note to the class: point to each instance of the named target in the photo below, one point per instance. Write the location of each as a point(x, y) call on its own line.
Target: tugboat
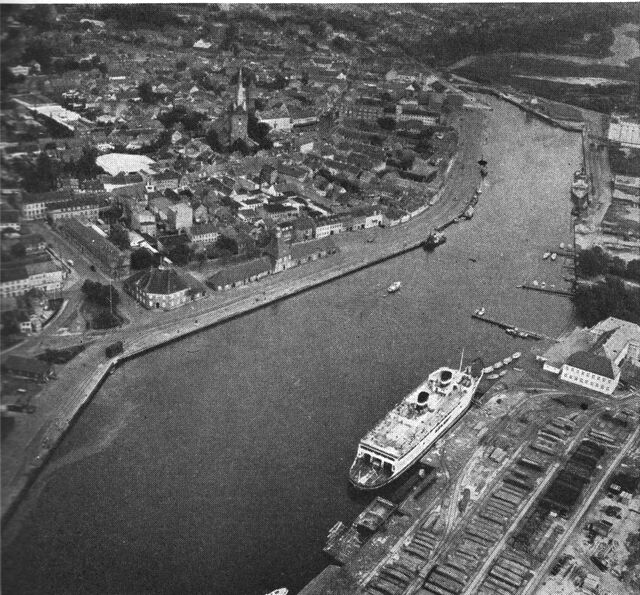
point(435, 239)
point(483, 167)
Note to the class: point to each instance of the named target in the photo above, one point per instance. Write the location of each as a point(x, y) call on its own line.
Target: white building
point(180, 216)
point(595, 372)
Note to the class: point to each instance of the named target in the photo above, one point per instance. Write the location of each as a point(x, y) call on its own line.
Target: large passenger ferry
point(414, 425)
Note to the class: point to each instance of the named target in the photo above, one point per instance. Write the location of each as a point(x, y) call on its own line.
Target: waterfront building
point(163, 288)
point(240, 274)
point(598, 357)
point(624, 134)
point(596, 372)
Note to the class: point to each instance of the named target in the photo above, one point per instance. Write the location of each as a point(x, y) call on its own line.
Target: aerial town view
point(320, 299)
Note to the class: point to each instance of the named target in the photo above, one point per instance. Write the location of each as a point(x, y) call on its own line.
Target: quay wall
point(167, 335)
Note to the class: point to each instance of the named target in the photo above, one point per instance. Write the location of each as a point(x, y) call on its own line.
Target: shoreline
point(37, 452)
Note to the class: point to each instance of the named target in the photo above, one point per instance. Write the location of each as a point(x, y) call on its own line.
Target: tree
point(103, 295)
point(259, 132)
point(43, 176)
point(143, 259)
point(387, 123)
point(592, 262)
point(227, 244)
point(85, 168)
point(180, 254)
point(18, 250)
point(119, 236)
point(10, 325)
point(146, 92)
point(213, 140)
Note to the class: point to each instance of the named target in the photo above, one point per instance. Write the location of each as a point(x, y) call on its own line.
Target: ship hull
point(414, 455)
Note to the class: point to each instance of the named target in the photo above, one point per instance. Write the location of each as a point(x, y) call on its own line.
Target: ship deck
point(401, 430)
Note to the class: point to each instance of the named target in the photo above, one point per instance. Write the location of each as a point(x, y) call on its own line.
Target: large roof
point(158, 281)
point(597, 364)
point(240, 272)
point(115, 163)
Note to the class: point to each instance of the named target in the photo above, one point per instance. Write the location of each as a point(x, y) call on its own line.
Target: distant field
point(605, 88)
point(504, 68)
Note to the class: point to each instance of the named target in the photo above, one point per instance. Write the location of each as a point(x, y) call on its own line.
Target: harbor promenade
point(31, 443)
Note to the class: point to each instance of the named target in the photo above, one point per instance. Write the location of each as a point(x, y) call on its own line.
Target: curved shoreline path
point(25, 452)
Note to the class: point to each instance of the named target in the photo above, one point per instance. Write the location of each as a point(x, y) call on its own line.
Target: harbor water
point(218, 464)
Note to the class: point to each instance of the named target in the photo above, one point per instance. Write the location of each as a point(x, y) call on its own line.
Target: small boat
point(479, 191)
point(561, 245)
point(516, 355)
point(507, 360)
point(473, 259)
point(480, 312)
point(543, 284)
point(554, 256)
point(546, 255)
point(487, 370)
point(518, 369)
point(501, 374)
point(510, 331)
point(434, 239)
point(523, 334)
point(497, 365)
point(535, 283)
point(394, 287)
point(493, 377)
point(369, 240)
point(282, 591)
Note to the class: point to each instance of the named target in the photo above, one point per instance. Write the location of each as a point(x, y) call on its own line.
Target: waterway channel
point(218, 464)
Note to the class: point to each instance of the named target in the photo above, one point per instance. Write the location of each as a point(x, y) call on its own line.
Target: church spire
point(241, 97)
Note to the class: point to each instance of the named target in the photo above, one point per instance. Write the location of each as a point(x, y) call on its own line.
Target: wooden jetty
point(506, 326)
point(552, 290)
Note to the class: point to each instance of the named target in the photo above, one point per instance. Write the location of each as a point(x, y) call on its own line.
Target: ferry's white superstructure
point(413, 426)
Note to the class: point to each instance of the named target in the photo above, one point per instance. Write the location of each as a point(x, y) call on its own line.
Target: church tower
point(239, 116)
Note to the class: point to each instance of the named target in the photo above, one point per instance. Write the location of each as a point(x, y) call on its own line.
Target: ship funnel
point(422, 400)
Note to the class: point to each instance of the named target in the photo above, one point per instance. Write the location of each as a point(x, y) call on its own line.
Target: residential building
point(87, 207)
point(179, 217)
point(144, 221)
point(203, 233)
point(369, 109)
point(108, 256)
point(40, 273)
point(9, 218)
point(277, 118)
